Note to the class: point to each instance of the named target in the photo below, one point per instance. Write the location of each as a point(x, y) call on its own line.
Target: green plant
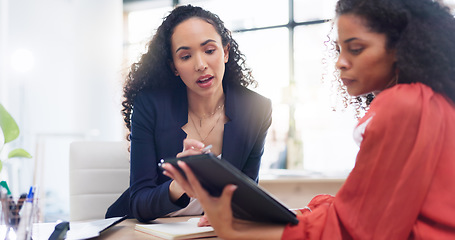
point(10, 132)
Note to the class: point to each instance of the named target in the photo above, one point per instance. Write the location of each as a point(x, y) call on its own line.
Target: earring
point(176, 73)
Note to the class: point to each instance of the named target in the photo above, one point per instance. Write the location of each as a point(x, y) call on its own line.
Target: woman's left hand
point(218, 210)
point(190, 147)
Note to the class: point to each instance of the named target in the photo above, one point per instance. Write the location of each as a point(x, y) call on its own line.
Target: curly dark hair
point(153, 69)
point(421, 31)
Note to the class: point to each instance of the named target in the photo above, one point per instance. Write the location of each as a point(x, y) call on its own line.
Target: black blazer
point(156, 133)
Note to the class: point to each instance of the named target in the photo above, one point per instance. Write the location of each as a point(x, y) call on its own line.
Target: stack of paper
point(78, 230)
point(177, 230)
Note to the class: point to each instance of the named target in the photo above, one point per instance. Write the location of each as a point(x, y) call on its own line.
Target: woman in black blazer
point(190, 84)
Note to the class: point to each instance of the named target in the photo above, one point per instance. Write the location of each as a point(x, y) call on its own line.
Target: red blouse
point(403, 183)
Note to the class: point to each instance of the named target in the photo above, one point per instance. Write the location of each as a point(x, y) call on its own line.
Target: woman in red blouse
point(402, 186)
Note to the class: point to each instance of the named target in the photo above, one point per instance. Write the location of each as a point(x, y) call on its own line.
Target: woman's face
point(199, 56)
point(364, 62)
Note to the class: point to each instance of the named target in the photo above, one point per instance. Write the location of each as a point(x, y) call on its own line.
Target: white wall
point(73, 90)
point(3, 38)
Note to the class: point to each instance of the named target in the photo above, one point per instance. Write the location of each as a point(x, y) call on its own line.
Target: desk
point(294, 191)
point(125, 229)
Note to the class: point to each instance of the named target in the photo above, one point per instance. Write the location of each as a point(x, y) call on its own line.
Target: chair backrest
point(99, 173)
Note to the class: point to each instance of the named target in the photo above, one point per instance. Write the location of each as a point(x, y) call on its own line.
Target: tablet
point(249, 202)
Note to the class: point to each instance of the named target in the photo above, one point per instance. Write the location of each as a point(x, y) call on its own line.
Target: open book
point(177, 230)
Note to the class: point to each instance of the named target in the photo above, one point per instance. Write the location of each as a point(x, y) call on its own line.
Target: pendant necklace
point(208, 134)
point(205, 116)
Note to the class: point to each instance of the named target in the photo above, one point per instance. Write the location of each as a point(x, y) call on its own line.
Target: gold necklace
point(208, 134)
point(205, 116)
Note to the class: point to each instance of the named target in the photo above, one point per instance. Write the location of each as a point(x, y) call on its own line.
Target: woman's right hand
point(191, 147)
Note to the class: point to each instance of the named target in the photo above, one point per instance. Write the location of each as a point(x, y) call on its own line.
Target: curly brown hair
point(153, 69)
point(421, 31)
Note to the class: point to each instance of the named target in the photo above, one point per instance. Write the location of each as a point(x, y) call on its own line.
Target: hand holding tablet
point(249, 202)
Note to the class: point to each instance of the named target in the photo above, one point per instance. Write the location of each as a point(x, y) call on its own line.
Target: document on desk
point(177, 230)
point(78, 230)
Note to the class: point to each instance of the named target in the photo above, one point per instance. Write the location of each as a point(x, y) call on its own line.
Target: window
point(140, 25)
point(285, 53)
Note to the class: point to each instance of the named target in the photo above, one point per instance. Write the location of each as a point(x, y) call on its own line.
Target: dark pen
point(15, 208)
point(13, 215)
point(60, 231)
point(20, 202)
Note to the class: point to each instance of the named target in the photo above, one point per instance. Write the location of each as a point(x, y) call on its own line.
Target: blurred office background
point(62, 64)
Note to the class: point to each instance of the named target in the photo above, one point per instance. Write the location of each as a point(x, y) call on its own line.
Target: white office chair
point(99, 173)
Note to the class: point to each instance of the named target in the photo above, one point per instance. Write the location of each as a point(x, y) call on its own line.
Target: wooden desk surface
point(125, 229)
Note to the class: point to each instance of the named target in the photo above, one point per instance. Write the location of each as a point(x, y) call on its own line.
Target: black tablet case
point(249, 202)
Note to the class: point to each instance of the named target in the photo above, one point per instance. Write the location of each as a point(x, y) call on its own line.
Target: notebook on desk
point(249, 202)
point(177, 230)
